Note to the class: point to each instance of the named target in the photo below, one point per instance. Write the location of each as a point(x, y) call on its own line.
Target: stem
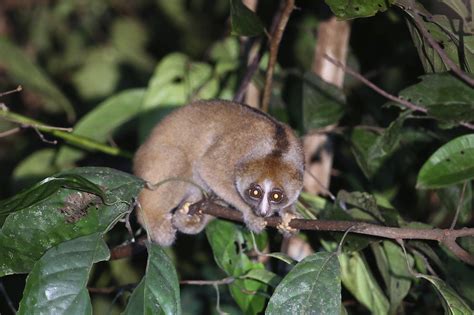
point(274, 45)
point(63, 133)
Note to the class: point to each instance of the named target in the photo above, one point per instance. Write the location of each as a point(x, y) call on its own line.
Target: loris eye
point(276, 196)
point(255, 192)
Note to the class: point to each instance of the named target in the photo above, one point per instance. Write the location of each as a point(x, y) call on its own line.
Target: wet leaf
point(57, 282)
point(313, 286)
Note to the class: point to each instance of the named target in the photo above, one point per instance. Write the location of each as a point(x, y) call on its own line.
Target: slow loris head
point(269, 184)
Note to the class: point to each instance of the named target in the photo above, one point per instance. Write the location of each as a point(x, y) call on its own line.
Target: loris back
point(245, 157)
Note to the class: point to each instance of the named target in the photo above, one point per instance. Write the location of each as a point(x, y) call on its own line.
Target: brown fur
point(221, 146)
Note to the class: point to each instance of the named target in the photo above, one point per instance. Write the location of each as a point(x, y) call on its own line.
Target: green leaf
point(451, 164)
point(313, 286)
point(387, 142)
point(359, 280)
point(362, 140)
point(263, 276)
point(175, 81)
point(392, 264)
point(228, 241)
point(350, 9)
point(31, 77)
point(161, 287)
point(244, 21)
point(136, 302)
point(99, 75)
point(33, 168)
point(57, 282)
point(362, 200)
point(452, 302)
point(100, 123)
point(323, 103)
point(60, 209)
point(446, 97)
point(129, 38)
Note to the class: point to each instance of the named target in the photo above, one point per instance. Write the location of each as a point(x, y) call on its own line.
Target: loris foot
point(189, 224)
point(162, 231)
point(284, 227)
point(255, 224)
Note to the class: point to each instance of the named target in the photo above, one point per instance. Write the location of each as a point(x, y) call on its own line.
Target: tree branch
point(444, 236)
point(385, 94)
point(415, 14)
point(274, 44)
point(60, 132)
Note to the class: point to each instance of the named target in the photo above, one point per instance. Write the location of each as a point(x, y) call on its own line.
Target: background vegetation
point(109, 70)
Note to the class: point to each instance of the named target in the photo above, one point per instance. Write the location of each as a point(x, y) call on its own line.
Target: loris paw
point(189, 224)
point(255, 224)
point(284, 227)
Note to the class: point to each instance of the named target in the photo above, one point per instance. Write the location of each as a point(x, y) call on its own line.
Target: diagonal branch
point(274, 45)
point(385, 94)
point(415, 14)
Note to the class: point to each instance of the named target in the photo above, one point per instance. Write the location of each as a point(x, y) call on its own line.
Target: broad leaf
point(446, 97)
point(347, 9)
point(57, 282)
point(62, 208)
point(100, 123)
point(452, 163)
point(359, 280)
point(323, 103)
point(175, 82)
point(243, 20)
point(313, 286)
point(392, 264)
point(161, 288)
point(31, 77)
point(452, 302)
point(227, 241)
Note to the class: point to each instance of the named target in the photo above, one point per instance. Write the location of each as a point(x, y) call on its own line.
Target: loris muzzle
point(243, 156)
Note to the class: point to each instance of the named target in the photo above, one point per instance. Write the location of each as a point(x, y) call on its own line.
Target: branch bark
point(444, 236)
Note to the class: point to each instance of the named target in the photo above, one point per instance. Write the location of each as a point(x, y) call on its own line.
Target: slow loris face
point(268, 185)
point(265, 198)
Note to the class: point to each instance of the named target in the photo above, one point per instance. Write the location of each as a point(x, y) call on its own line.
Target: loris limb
point(287, 215)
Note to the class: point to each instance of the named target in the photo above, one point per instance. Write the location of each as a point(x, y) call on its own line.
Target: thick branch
point(274, 44)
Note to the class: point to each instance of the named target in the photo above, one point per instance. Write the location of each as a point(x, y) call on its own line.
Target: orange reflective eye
point(276, 196)
point(255, 192)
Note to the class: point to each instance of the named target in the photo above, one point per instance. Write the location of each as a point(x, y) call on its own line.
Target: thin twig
point(110, 290)
point(323, 188)
point(385, 94)
point(9, 132)
point(18, 89)
point(42, 136)
point(274, 45)
point(424, 32)
point(227, 280)
point(374, 87)
point(458, 208)
point(252, 67)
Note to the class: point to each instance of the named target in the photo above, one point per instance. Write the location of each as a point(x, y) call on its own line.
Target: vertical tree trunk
point(253, 95)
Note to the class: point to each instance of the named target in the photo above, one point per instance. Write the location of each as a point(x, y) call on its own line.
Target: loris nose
point(263, 209)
